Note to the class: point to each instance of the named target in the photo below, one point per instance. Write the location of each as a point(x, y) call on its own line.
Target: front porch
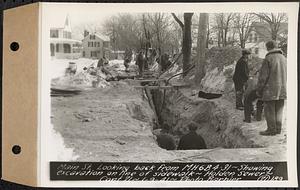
point(65, 48)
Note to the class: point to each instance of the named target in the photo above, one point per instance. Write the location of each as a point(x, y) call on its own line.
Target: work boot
point(268, 133)
point(278, 130)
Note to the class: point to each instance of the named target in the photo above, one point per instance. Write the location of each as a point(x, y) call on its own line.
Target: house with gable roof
point(260, 35)
point(62, 46)
point(95, 46)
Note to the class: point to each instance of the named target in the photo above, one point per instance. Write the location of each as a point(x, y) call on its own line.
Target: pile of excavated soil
point(220, 124)
point(81, 79)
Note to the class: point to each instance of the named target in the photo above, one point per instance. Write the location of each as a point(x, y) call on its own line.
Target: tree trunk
point(207, 36)
point(219, 39)
point(274, 32)
point(242, 44)
point(187, 42)
point(201, 46)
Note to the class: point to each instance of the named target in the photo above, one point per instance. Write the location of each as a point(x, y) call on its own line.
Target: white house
point(260, 34)
point(96, 46)
point(62, 46)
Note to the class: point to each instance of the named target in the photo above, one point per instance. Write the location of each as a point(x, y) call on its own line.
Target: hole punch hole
point(14, 46)
point(16, 149)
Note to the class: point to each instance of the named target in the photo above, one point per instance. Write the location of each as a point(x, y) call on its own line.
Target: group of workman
point(145, 60)
point(269, 90)
point(190, 141)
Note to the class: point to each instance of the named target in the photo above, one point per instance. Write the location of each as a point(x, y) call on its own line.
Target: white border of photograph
point(48, 13)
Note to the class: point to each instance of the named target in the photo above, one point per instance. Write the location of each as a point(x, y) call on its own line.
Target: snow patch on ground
point(58, 66)
point(59, 151)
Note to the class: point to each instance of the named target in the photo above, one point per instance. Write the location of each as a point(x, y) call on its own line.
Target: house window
point(98, 44)
point(67, 35)
point(57, 47)
point(93, 54)
point(53, 33)
point(67, 48)
point(91, 44)
point(83, 54)
point(52, 49)
point(105, 44)
point(92, 37)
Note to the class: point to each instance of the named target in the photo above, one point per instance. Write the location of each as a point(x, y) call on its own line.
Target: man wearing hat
point(192, 140)
point(240, 77)
point(271, 87)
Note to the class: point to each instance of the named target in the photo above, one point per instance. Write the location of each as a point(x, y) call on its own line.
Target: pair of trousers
point(248, 106)
point(273, 113)
point(141, 69)
point(239, 94)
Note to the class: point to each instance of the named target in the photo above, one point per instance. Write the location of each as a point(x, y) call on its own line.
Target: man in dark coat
point(271, 87)
point(240, 77)
point(192, 140)
point(140, 61)
point(166, 140)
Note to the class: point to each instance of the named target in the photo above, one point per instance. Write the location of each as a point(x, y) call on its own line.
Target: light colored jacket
point(272, 78)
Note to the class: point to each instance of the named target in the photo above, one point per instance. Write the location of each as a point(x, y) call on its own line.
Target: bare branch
point(178, 20)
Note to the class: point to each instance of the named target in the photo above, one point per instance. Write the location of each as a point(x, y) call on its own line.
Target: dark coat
point(191, 141)
point(166, 141)
point(100, 62)
point(140, 60)
point(272, 78)
point(241, 72)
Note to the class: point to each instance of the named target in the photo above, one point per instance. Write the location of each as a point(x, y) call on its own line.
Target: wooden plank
point(150, 80)
point(153, 87)
point(151, 102)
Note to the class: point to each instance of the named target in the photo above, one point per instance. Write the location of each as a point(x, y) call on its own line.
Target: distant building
point(117, 55)
point(62, 46)
point(260, 34)
point(95, 46)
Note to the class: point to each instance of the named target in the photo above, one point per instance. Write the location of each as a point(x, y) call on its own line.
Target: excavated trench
point(209, 112)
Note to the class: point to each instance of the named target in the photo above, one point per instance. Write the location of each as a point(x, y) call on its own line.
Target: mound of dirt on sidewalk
point(81, 79)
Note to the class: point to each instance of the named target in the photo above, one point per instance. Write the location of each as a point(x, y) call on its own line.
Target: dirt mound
point(82, 79)
point(223, 56)
point(219, 123)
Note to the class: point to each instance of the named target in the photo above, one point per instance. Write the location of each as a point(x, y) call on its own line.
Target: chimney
point(86, 33)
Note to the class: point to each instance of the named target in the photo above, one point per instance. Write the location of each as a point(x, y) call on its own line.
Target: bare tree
point(160, 29)
point(124, 31)
point(147, 33)
point(186, 39)
point(274, 20)
point(201, 46)
point(223, 22)
point(243, 25)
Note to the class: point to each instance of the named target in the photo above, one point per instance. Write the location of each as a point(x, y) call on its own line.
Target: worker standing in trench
point(192, 140)
point(164, 139)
